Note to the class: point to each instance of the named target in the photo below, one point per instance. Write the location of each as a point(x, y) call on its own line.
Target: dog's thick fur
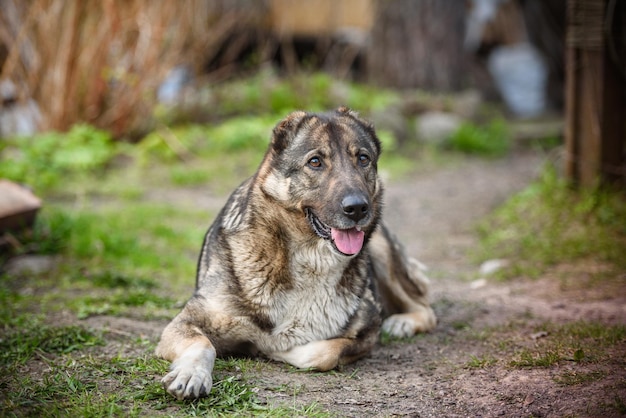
point(297, 266)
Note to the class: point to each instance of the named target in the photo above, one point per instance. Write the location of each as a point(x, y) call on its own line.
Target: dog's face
point(323, 167)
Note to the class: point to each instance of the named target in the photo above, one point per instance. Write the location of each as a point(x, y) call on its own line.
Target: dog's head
point(323, 168)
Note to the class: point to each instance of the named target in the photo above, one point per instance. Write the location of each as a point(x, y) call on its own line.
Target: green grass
point(582, 343)
point(125, 247)
point(578, 342)
point(267, 94)
point(19, 344)
point(491, 140)
point(388, 339)
point(90, 385)
point(574, 378)
point(529, 358)
point(550, 223)
point(43, 162)
point(480, 362)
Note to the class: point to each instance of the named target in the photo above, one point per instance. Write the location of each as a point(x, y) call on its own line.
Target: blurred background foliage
point(211, 77)
point(186, 94)
point(123, 66)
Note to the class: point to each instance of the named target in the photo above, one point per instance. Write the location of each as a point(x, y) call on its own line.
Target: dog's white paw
point(399, 326)
point(190, 375)
point(408, 324)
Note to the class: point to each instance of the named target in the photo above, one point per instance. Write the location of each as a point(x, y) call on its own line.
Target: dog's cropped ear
point(285, 130)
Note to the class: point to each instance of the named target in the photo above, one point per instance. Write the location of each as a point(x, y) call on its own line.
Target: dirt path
point(433, 213)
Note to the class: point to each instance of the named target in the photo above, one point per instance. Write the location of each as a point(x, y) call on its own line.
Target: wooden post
point(595, 120)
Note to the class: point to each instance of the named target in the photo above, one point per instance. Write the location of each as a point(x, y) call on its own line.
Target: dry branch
point(101, 61)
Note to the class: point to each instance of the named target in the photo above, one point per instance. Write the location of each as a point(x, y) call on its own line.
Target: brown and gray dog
point(297, 266)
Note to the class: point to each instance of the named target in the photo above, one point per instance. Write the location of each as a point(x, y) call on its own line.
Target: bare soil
point(434, 213)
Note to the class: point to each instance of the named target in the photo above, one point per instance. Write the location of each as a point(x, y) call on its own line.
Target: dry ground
point(463, 368)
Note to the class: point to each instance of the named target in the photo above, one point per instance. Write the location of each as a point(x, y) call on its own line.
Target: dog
point(298, 267)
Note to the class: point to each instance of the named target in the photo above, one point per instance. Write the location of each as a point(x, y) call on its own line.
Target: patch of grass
point(110, 280)
point(227, 138)
point(388, 339)
point(492, 140)
point(96, 386)
point(229, 395)
point(573, 378)
point(119, 303)
point(88, 386)
point(537, 358)
point(112, 262)
point(46, 159)
point(549, 223)
point(619, 404)
point(267, 94)
point(480, 362)
point(579, 341)
point(19, 345)
point(144, 240)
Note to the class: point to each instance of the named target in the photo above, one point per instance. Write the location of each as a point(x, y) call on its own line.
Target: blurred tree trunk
point(419, 43)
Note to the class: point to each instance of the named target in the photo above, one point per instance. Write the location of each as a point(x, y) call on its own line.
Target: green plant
point(572, 378)
point(480, 362)
point(43, 160)
point(492, 140)
point(549, 222)
point(19, 345)
point(533, 358)
point(578, 341)
point(267, 94)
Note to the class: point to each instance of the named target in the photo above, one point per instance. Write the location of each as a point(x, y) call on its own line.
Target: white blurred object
point(489, 267)
point(521, 76)
point(20, 119)
point(479, 14)
point(170, 91)
point(436, 127)
point(478, 284)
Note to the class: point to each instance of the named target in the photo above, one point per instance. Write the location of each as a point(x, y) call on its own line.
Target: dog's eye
point(315, 162)
point(364, 160)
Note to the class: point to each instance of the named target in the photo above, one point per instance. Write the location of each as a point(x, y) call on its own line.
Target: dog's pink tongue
point(348, 241)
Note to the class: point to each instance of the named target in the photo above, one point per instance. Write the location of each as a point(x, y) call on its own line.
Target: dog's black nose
point(355, 207)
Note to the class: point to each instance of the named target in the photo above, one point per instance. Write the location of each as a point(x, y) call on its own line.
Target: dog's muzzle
point(346, 241)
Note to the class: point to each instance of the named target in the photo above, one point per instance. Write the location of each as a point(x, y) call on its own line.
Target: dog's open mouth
point(346, 241)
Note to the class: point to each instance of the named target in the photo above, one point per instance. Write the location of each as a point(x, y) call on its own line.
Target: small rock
point(477, 284)
point(489, 267)
point(391, 119)
point(436, 127)
point(30, 265)
point(467, 104)
point(537, 335)
point(529, 399)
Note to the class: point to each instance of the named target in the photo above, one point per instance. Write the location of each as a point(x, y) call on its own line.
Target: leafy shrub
point(232, 136)
point(265, 93)
point(549, 222)
point(43, 160)
point(492, 140)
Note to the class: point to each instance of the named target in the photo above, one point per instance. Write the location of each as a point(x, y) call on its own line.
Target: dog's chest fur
point(314, 306)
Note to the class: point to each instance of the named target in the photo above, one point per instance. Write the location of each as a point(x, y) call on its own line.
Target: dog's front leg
point(192, 356)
